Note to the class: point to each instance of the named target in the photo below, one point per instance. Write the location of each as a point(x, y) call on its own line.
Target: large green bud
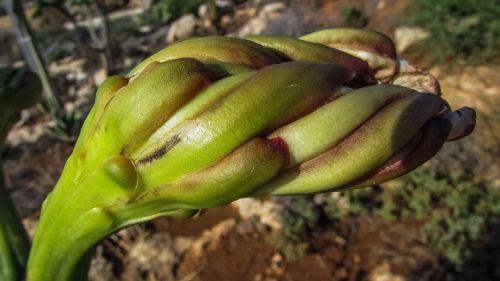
point(208, 121)
point(19, 89)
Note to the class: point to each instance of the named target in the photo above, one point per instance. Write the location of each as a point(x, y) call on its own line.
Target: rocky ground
point(238, 242)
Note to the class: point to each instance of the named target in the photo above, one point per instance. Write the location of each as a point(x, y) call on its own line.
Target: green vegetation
point(464, 29)
point(353, 17)
point(460, 217)
point(165, 11)
point(298, 221)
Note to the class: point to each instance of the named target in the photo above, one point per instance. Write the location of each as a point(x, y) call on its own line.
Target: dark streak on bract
point(162, 150)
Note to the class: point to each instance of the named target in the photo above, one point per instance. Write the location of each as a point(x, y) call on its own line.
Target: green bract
point(207, 121)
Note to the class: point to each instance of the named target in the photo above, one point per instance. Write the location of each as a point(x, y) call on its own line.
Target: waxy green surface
point(207, 121)
point(334, 121)
point(214, 48)
point(292, 49)
point(368, 147)
point(287, 90)
point(376, 48)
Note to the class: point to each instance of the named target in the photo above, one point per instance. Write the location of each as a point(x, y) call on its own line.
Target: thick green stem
point(73, 227)
point(14, 242)
point(85, 208)
point(68, 232)
point(75, 217)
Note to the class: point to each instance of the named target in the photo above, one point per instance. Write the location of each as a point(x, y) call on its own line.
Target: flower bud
point(207, 121)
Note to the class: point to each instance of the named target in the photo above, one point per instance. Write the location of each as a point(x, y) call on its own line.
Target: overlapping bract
point(210, 120)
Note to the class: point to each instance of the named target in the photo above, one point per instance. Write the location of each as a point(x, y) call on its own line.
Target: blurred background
point(441, 222)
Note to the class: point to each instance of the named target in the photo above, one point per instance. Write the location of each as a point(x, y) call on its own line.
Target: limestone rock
point(273, 19)
point(406, 36)
point(266, 212)
point(182, 28)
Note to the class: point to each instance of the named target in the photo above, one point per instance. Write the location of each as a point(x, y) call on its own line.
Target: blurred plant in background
point(354, 17)
point(95, 36)
point(461, 29)
point(165, 11)
point(298, 221)
point(51, 102)
point(459, 216)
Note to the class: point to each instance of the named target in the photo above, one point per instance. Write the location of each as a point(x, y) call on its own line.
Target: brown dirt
point(196, 225)
point(236, 257)
point(33, 168)
point(222, 246)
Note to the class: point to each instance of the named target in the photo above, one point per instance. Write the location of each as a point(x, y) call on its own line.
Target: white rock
point(405, 36)
point(383, 273)
point(155, 255)
point(224, 4)
point(273, 8)
point(203, 11)
point(182, 28)
point(266, 211)
point(273, 19)
point(99, 76)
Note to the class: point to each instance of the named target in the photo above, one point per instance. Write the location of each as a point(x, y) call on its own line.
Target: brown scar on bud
point(162, 150)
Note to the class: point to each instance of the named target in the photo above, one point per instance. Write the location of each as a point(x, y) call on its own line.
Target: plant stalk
point(32, 55)
point(76, 228)
point(14, 241)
